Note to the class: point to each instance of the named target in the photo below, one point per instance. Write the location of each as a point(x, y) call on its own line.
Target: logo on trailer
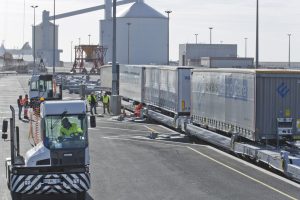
point(283, 90)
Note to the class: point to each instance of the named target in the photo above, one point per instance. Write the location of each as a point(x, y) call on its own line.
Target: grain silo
point(142, 35)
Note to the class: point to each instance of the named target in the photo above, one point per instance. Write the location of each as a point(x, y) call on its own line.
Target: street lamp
point(289, 49)
point(54, 38)
point(34, 7)
point(102, 32)
point(210, 34)
point(89, 39)
point(115, 75)
point(71, 51)
point(128, 41)
point(168, 40)
point(196, 37)
point(246, 47)
point(257, 35)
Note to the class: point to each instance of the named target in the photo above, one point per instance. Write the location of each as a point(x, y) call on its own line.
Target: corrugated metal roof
point(140, 10)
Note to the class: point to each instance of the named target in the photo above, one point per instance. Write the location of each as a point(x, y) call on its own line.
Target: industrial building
point(142, 35)
point(226, 62)
point(193, 52)
point(212, 56)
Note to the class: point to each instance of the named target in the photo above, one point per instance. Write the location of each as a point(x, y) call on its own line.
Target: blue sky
point(233, 20)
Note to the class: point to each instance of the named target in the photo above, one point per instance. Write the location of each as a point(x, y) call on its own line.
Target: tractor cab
point(44, 86)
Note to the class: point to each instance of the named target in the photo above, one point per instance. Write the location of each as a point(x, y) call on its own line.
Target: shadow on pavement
point(56, 197)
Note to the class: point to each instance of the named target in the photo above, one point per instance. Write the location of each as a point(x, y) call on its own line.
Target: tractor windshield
point(65, 132)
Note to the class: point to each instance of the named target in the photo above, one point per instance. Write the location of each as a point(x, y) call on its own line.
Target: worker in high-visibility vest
point(69, 129)
point(20, 106)
point(92, 99)
point(26, 106)
point(105, 101)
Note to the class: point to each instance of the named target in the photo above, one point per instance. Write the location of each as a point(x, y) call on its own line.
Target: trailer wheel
point(16, 196)
point(81, 195)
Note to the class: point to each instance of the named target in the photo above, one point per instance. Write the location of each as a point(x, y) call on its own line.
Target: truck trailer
point(257, 104)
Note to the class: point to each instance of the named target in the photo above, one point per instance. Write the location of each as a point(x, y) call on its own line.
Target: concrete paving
point(127, 165)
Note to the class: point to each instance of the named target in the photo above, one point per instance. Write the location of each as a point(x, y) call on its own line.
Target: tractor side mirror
point(93, 121)
point(4, 126)
point(4, 129)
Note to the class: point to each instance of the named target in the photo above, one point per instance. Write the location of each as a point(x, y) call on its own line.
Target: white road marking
point(146, 140)
point(170, 143)
point(172, 131)
point(241, 173)
point(122, 129)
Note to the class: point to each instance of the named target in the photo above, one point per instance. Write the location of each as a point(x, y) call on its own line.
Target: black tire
point(81, 195)
point(16, 196)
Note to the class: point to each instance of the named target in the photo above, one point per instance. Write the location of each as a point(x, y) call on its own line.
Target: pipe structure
point(114, 53)
point(246, 47)
point(87, 10)
point(34, 54)
point(54, 32)
point(128, 40)
point(210, 35)
point(168, 44)
point(257, 35)
point(289, 49)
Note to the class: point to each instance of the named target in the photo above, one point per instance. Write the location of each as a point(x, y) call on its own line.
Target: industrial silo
point(142, 35)
point(44, 41)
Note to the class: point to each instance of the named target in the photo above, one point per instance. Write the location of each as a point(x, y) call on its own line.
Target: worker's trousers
point(106, 105)
point(20, 111)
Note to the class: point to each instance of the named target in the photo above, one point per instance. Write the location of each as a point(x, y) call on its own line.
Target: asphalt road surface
point(127, 165)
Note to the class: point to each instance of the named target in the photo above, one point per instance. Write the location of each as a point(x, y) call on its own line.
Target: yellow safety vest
point(105, 99)
point(89, 98)
point(72, 130)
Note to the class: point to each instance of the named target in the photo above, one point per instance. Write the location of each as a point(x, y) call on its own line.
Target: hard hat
point(42, 99)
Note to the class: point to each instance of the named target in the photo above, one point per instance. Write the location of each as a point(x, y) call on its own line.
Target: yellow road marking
point(150, 128)
point(241, 173)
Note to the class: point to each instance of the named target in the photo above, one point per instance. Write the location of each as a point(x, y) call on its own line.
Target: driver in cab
point(69, 129)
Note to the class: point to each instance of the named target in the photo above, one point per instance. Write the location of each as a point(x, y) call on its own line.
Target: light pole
point(257, 35)
point(34, 7)
point(54, 38)
point(196, 37)
point(168, 40)
point(115, 80)
point(71, 51)
point(128, 50)
point(78, 41)
point(289, 49)
point(246, 47)
point(89, 39)
point(210, 34)
point(102, 32)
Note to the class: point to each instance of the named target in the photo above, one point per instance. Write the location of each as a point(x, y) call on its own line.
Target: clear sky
point(233, 20)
